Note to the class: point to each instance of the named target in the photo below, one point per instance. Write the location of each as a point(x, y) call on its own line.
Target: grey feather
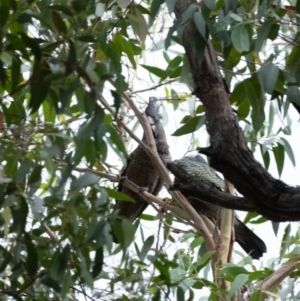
point(198, 168)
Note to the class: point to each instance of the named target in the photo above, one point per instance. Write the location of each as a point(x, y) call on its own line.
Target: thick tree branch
point(229, 152)
point(200, 189)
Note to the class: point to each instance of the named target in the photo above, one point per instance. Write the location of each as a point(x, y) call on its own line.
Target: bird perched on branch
point(196, 168)
point(141, 170)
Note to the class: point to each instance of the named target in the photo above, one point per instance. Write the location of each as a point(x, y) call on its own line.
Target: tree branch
point(150, 149)
point(200, 189)
point(229, 152)
point(272, 282)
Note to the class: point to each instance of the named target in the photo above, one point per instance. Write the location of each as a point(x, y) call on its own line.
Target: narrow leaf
point(32, 256)
point(238, 282)
point(119, 195)
point(267, 76)
point(156, 71)
point(240, 38)
point(279, 157)
point(191, 126)
point(288, 149)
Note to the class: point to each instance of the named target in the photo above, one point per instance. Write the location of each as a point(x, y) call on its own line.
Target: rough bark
point(229, 152)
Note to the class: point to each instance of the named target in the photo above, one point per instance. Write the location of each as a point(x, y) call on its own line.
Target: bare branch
point(154, 87)
point(272, 282)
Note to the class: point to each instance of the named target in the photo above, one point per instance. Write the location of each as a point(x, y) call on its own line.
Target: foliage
point(60, 62)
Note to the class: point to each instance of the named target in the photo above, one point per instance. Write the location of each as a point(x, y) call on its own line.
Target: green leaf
point(89, 127)
point(59, 263)
point(244, 109)
point(293, 95)
point(138, 23)
point(238, 282)
point(4, 13)
point(38, 94)
point(98, 262)
point(32, 256)
point(58, 22)
point(124, 231)
point(267, 76)
point(24, 169)
point(170, 33)
point(202, 262)
point(17, 113)
point(15, 73)
point(179, 293)
point(49, 112)
point(279, 157)
point(258, 296)
point(116, 142)
point(288, 150)
point(177, 274)
point(119, 195)
point(33, 44)
point(2, 74)
point(146, 247)
point(66, 284)
point(127, 49)
point(147, 217)
point(51, 283)
point(191, 126)
point(156, 71)
point(120, 84)
point(240, 38)
point(72, 56)
point(233, 58)
point(286, 240)
point(87, 179)
point(271, 119)
point(35, 176)
point(266, 158)
point(171, 5)
point(200, 24)
point(155, 7)
point(275, 226)
point(262, 34)
point(5, 258)
point(173, 64)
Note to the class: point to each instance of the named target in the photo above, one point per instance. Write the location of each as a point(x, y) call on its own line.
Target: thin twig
point(50, 233)
point(153, 88)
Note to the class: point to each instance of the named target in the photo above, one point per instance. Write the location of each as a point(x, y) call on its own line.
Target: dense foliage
point(65, 67)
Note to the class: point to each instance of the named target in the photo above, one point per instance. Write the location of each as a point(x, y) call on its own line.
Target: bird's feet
point(143, 189)
point(122, 178)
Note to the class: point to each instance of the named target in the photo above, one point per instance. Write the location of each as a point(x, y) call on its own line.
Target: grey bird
point(140, 169)
point(197, 167)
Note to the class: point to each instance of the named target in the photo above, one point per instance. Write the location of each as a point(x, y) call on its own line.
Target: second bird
point(198, 168)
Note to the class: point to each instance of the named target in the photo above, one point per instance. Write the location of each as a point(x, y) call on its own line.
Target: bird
point(140, 169)
point(196, 167)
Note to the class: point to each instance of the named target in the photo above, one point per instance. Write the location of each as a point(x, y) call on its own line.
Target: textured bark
point(229, 152)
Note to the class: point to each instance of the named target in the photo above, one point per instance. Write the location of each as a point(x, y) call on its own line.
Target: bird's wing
point(200, 171)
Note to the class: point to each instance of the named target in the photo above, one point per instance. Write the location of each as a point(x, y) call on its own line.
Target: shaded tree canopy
point(75, 78)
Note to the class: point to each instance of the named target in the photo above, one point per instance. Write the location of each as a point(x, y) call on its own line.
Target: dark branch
point(229, 152)
point(202, 190)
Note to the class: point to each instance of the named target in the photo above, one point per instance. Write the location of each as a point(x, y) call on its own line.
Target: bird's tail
point(248, 240)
